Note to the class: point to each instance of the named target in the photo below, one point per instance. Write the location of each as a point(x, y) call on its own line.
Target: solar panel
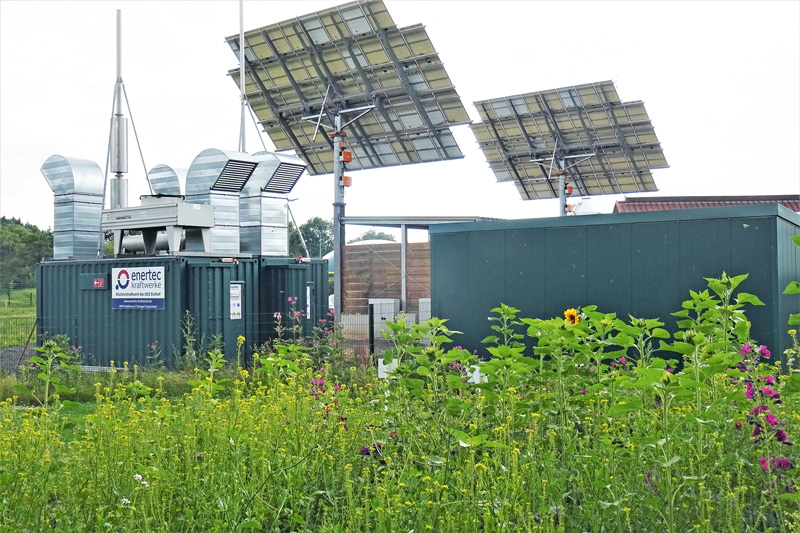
point(356, 55)
point(609, 146)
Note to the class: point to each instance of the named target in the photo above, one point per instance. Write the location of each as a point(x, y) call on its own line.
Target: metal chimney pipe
point(119, 134)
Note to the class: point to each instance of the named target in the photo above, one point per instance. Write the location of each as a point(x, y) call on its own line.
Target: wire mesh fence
point(17, 339)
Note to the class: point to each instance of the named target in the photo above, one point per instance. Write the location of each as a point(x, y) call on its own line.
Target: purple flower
point(764, 351)
point(738, 425)
point(783, 464)
point(759, 409)
point(364, 450)
point(583, 392)
point(781, 435)
point(745, 349)
point(756, 430)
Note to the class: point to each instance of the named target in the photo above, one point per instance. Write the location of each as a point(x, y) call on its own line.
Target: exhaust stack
point(119, 134)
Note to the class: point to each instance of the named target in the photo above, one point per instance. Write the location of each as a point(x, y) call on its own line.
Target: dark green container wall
point(285, 278)
point(788, 271)
point(86, 316)
point(642, 264)
point(209, 294)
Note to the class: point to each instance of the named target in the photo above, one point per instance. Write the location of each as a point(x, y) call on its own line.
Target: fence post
point(371, 321)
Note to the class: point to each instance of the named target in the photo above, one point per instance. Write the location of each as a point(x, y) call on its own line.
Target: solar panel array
point(358, 56)
point(612, 144)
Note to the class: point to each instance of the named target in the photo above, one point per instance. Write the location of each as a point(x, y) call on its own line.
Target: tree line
point(21, 247)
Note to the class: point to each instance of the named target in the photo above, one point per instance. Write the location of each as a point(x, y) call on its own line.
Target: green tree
point(21, 247)
point(318, 234)
point(372, 234)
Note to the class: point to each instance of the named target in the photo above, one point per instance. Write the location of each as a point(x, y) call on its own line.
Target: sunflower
point(571, 316)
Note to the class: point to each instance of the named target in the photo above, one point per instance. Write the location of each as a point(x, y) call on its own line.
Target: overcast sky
point(720, 81)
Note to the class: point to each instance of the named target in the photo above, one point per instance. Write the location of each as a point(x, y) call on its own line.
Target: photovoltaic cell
point(574, 123)
point(357, 55)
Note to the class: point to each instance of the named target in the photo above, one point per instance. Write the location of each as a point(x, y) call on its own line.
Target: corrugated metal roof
point(664, 203)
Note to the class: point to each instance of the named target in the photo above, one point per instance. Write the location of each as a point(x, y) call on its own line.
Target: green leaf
point(423, 371)
point(796, 240)
point(794, 319)
point(660, 333)
point(623, 340)
point(792, 385)
point(455, 382)
point(251, 524)
point(62, 389)
point(631, 404)
point(745, 297)
point(692, 384)
point(491, 339)
point(792, 288)
point(671, 462)
point(790, 496)
point(36, 359)
point(70, 403)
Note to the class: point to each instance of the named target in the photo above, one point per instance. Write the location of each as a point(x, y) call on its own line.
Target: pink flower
point(738, 425)
point(764, 463)
point(745, 349)
point(583, 392)
point(749, 390)
point(772, 419)
point(770, 380)
point(759, 409)
point(764, 351)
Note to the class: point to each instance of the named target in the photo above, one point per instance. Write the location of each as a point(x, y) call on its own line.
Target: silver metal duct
point(216, 177)
point(77, 186)
point(166, 180)
point(263, 207)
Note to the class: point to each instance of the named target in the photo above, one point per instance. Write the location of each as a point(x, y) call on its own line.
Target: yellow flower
point(571, 316)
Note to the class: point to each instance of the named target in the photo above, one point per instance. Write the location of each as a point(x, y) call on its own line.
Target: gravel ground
point(9, 357)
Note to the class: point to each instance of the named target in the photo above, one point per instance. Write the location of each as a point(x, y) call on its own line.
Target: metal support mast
point(338, 215)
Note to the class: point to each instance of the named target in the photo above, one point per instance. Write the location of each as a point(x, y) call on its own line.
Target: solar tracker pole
point(338, 215)
point(562, 188)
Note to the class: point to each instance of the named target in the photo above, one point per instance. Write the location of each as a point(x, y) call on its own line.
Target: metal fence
point(17, 339)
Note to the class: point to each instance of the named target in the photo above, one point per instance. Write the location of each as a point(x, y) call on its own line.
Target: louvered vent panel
point(234, 176)
point(284, 178)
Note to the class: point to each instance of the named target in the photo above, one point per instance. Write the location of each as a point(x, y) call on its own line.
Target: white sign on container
point(139, 288)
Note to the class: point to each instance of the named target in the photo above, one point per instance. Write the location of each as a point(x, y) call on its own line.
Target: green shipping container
point(643, 264)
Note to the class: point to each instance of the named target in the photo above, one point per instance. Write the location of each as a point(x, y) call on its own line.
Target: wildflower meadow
point(582, 422)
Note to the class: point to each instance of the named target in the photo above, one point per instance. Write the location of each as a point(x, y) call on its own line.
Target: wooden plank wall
point(373, 271)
